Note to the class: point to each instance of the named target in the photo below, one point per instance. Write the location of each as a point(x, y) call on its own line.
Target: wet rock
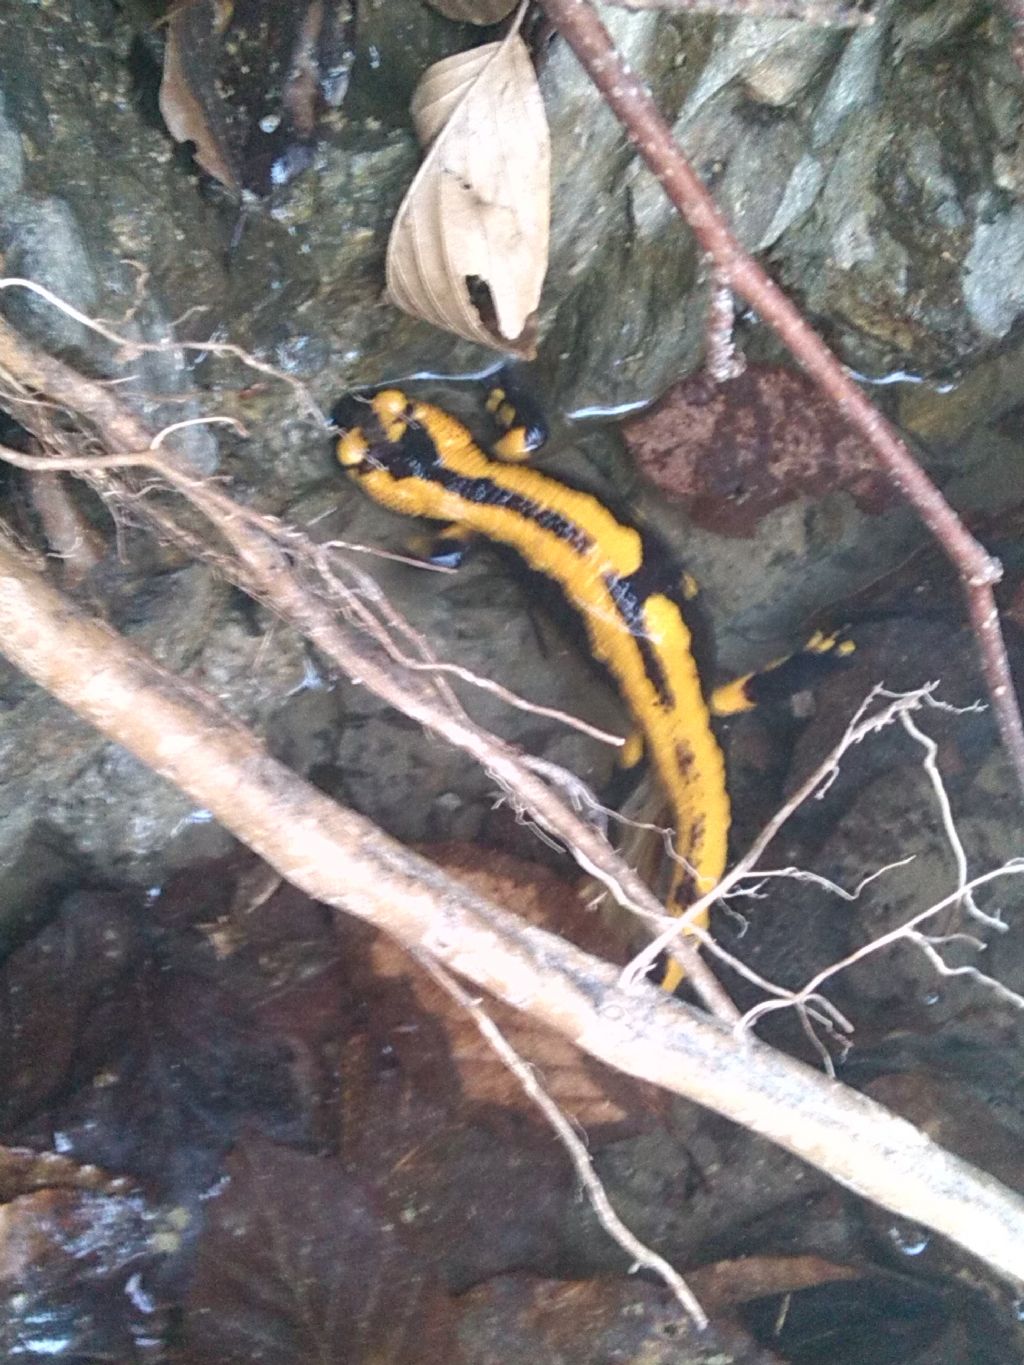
point(993, 290)
point(775, 63)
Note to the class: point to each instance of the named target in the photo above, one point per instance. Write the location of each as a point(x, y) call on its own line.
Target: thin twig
point(931, 768)
point(130, 346)
point(429, 664)
point(812, 990)
point(863, 724)
point(634, 106)
point(644, 1258)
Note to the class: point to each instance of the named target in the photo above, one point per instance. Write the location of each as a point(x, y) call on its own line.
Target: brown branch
point(340, 858)
point(131, 347)
point(820, 13)
point(634, 106)
point(119, 427)
point(68, 535)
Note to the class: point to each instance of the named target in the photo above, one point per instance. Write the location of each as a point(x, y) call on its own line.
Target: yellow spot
point(391, 407)
point(820, 643)
point(352, 449)
point(690, 587)
point(633, 750)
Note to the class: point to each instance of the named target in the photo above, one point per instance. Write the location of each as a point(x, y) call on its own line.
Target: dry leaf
point(188, 117)
point(608, 1318)
point(474, 11)
point(723, 1285)
point(296, 1265)
point(469, 247)
point(597, 1098)
point(246, 81)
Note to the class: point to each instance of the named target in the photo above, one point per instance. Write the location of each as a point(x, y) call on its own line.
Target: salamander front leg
point(519, 417)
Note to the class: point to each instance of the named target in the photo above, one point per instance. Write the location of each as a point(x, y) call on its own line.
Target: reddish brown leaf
point(294, 1265)
point(733, 452)
point(150, 1052)
point(594, 1096)
point(68, 998)
point(478, 1187)
point(579, 1322)
point(534, 892)
point(721, 1286)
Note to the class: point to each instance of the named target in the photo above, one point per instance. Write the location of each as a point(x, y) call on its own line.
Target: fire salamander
point(415, 458)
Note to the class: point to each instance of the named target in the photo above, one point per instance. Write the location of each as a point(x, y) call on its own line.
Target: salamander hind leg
point(782, 679)
point(448, 548)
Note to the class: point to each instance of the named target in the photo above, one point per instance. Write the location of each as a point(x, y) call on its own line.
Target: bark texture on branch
point(342, 859)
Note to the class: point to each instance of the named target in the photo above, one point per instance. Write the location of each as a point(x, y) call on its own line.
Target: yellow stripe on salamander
point(414, 458)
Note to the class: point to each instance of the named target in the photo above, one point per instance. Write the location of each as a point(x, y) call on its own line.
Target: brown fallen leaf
point(578, 1322)
point(246, 81)
point(597, 1099)
point(295, 1264)
point(726, 1283)
point(190, 118)
point(469, 247)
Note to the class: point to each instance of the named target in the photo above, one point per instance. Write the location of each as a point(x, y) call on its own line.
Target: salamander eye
point(351, 411)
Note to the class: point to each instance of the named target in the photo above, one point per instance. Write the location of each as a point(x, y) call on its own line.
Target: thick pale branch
point(343, 860)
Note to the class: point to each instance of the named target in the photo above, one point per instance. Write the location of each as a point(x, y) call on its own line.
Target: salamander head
point(365, 421)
